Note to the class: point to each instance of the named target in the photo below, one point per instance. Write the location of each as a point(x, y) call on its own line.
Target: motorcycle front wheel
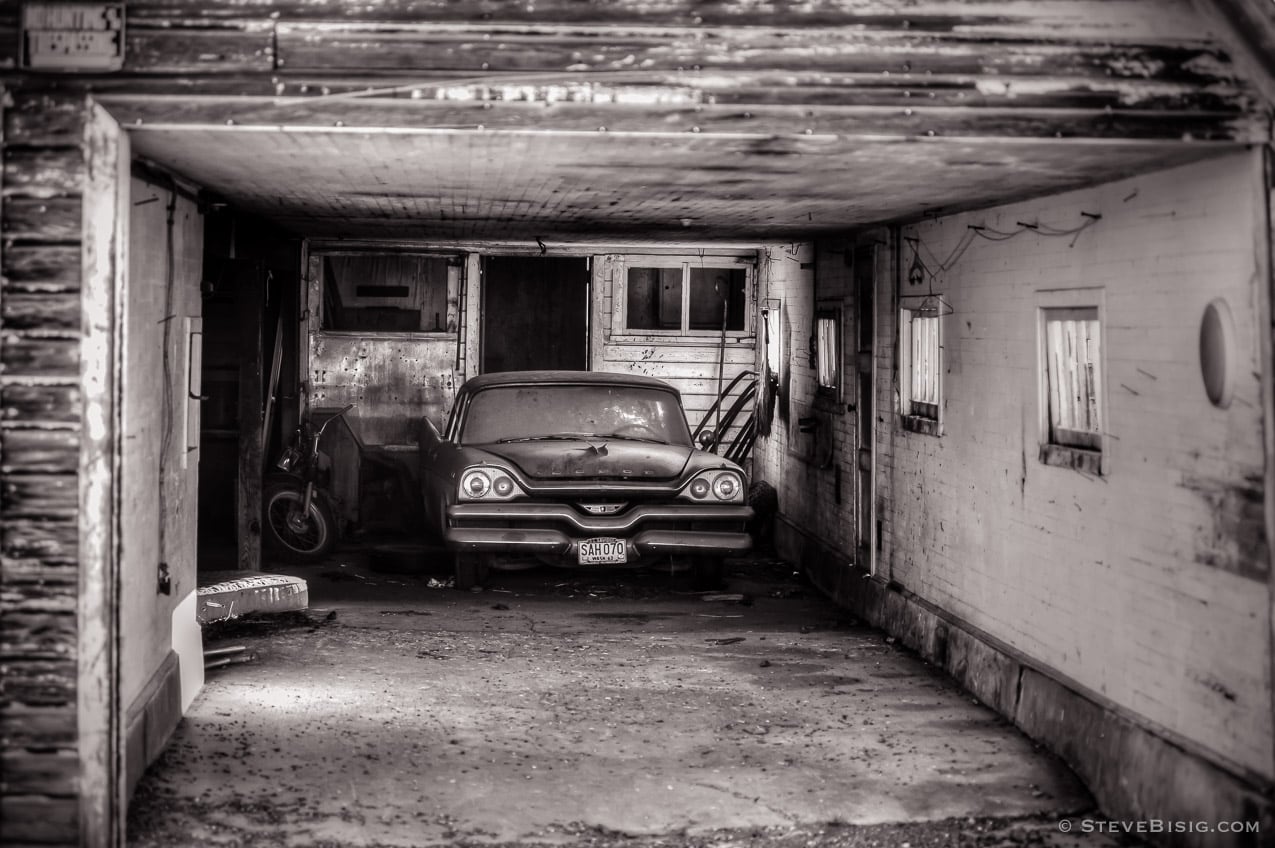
point(297, 535)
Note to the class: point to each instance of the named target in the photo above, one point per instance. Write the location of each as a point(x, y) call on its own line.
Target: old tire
point(708, 573)
point(764, 500)
point(292, 535)
point(471, 570)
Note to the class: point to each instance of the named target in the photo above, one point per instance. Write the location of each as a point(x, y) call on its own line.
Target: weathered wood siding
point(1105, 68)
point(689, 363)
point(40, 432)
point(1100, 45)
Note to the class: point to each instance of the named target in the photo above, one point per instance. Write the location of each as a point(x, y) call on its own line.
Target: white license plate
point(606, 551)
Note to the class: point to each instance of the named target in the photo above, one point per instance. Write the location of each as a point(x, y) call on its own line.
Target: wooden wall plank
point(45, 172)
point(38, 635)
point(45, 118)
point(50, 542)
point(31, 589)
point(22, 726)
point(41, 268)
point(35, 820)
point(54, 773)
point(182, 51)
point(33, 356)
point(45, 311)
point(40, 682)
point(1119, 18)
point(40, 451)
point(856, 50)
point(40, 496)
point(55, 219)
point(45, 404)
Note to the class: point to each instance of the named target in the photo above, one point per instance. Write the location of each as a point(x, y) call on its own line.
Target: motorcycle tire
point(291, 535)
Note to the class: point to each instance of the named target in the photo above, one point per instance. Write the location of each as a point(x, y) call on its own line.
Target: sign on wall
point(72, 36)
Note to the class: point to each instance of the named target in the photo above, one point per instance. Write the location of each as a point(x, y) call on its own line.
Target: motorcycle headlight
point(487, 483)
point(720, 485)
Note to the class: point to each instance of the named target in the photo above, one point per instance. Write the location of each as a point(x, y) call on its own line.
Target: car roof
point(587, 378)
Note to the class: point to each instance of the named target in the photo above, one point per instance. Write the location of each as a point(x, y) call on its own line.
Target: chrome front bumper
point(557, 529)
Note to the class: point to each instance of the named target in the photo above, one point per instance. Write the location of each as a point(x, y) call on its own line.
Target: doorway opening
point(535, 313)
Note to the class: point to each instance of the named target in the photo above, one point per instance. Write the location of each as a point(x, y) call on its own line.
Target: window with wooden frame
point(827, 352)
point(368, 291)
point(680, 296)
point(921, 368)
point(1072, 389)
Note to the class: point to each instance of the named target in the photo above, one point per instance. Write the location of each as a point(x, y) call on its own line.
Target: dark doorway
point(535, 313)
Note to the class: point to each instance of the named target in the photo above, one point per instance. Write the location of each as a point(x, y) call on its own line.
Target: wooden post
point(103, 299)
point(1266, 341)
point(249, 305)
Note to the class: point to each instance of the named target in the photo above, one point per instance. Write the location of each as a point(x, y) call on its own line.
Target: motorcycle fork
point(308, 499)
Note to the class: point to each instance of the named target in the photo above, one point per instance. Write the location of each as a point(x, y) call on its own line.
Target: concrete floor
point(588, 708)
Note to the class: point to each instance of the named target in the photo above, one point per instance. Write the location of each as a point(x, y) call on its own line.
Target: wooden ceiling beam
point(1107, 19)
point(919, 122)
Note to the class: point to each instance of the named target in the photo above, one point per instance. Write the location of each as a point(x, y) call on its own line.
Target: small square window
point(716, 296)
point(828, 350)
point(654, 299)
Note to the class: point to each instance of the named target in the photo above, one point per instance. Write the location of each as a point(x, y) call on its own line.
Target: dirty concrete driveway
point(585, 708)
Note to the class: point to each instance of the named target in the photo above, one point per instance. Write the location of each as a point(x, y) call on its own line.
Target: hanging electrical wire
point(920, 272)
point(983, 231)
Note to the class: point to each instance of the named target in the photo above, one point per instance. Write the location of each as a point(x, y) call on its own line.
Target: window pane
point(1075, 379)
point(385, 293)
point(654, 299)
point(827, 350)
point(714, 290)
point(924, 375)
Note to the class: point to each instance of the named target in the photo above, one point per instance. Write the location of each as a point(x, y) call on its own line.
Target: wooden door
point(535, 313)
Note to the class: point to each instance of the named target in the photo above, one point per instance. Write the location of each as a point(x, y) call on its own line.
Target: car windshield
point(546, 412)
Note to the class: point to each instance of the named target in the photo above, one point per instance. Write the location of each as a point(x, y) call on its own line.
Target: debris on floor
point(731, 597)
point(229, 594)
point(220, 657)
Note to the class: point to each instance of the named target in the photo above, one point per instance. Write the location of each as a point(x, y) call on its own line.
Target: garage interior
point(167, 228)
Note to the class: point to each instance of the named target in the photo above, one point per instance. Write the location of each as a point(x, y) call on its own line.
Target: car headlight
point(716, 486)
point(487, 483)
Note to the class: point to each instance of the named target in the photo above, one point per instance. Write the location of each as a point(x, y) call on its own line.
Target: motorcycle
point(300, 523)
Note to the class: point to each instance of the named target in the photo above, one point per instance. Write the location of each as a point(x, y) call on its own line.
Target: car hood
point(593, 458)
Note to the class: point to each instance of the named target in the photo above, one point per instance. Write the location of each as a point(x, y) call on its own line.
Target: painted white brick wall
point(1129, 583)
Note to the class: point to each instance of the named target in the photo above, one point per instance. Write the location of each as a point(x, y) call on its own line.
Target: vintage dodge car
point(578, 468)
